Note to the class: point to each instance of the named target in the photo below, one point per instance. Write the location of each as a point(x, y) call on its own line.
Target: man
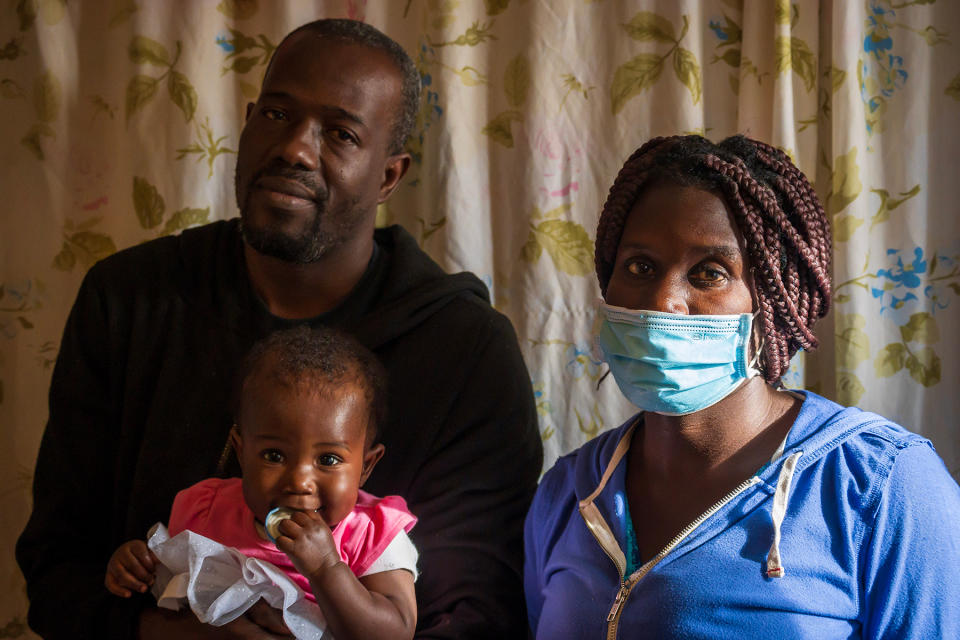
point(140, 397)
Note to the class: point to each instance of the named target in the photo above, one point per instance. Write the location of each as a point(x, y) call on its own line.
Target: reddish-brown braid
point(783, 224)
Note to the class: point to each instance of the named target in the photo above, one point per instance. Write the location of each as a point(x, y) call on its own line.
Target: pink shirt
point(215, 508)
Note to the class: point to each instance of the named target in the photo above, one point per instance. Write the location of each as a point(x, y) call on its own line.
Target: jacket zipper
point(627, 584)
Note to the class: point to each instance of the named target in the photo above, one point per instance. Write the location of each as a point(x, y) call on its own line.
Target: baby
point(309, 404)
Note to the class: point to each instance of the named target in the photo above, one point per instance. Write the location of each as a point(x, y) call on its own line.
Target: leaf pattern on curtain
point(122, 121)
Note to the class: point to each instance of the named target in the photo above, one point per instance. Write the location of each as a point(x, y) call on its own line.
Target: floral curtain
point(121, 120)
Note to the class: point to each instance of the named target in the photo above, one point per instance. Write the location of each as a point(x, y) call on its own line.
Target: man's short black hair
point(360, 33)
point(319, 358)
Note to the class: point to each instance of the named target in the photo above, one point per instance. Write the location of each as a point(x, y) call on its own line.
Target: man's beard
point(315, 241)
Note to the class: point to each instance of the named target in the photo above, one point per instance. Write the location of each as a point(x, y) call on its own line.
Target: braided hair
point(782, 222)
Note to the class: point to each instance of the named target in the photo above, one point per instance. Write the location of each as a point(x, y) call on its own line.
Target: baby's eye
point(272, 455)
point(328, 460)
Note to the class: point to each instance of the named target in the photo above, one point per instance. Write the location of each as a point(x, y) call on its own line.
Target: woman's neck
point(729, 439)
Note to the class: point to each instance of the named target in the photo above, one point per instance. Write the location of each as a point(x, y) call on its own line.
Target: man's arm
point(472, 495)
point(63, 551)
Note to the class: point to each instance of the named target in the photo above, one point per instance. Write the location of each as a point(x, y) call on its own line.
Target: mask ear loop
point(759, 340)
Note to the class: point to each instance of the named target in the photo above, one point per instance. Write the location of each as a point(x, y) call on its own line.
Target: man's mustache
point(309, 180)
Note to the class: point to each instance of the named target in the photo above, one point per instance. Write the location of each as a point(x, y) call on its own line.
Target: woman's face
point(680, 253)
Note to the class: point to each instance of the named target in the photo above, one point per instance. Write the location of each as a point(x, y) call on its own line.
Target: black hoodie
point(140, 408)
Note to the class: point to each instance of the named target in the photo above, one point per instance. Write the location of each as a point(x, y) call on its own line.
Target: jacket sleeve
point(63, 551)
point(472, 495)
point(912, 573)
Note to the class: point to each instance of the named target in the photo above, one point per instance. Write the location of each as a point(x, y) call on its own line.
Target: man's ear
point(250, 106)
point(370, 459)
point(393, 171)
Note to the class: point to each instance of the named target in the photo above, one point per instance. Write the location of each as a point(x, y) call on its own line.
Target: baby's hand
point(131, 568)
point(307, 541)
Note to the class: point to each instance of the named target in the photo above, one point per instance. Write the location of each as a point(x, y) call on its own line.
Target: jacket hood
point(820, 427)
point(414, 288)
point(401, 288)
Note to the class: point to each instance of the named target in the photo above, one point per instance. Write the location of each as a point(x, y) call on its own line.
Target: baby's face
point(303, 448)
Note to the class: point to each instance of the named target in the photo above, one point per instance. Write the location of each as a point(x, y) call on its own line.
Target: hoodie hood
point(401, 288)
point(820, 427)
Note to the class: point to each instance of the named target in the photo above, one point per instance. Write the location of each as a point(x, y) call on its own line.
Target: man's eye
point(272, 455)
point(342, 135)
point(328, 460)
point(274, 114)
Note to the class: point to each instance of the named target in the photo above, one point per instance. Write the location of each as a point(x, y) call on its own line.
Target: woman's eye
point(272, 455)
point(638, 268)
point(705, 273)
point(328, 460)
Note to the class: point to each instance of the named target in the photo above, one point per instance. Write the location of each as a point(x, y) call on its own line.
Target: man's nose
point(301, 147)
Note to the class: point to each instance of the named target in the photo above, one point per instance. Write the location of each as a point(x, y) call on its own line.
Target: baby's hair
point(320, 358)
point(782, 222)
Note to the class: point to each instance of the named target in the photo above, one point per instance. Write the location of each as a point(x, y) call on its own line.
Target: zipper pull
point(618, 603)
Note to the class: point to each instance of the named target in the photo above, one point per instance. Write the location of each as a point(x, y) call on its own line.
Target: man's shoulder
point(156, 261)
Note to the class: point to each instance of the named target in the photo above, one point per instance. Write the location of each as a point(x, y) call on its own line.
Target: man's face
point(313, 161)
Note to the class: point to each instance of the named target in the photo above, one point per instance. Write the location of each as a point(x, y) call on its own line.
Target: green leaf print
point(846, 182)
point(888, 204)
point(890, 360)
point(516, 81)
point(496, 6)
point(182, 93)
point(26, 13)
point(32, 140)
point(688, 71)
point(568, 244)
point(532, 250)
point(953, 89)
point(844, 226)
point(849, 388)
point(85, 248)
point(238, 9)
point(924, 367)
point(10, 89)
point(853, 344)
point(143, 50)
point(633, 77)
point(649, 26)
point(793, 53)
point(122, 11)
point(184, 218)
point(922, 327)
point(837, 78)
point(241, 64)
point(499, 128)
point(140, 90)
point(47, 97)
point(147, 202)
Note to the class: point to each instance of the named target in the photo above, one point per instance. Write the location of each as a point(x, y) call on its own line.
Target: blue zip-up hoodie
point(853, 532)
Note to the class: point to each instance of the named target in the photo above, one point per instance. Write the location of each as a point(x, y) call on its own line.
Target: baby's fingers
point(122, 583)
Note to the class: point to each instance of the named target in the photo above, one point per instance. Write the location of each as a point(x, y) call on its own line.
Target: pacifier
point(272, 522)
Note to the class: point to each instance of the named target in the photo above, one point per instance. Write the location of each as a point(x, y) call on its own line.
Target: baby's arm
point(381, 605)
point(131, 568)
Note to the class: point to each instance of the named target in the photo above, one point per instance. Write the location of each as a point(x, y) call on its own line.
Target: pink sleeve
point(191, 507)
point(373, 525)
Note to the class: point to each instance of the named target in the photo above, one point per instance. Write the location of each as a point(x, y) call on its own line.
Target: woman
point(731, 507)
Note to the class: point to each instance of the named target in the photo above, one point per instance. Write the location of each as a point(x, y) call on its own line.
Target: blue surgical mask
point(672, 363)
